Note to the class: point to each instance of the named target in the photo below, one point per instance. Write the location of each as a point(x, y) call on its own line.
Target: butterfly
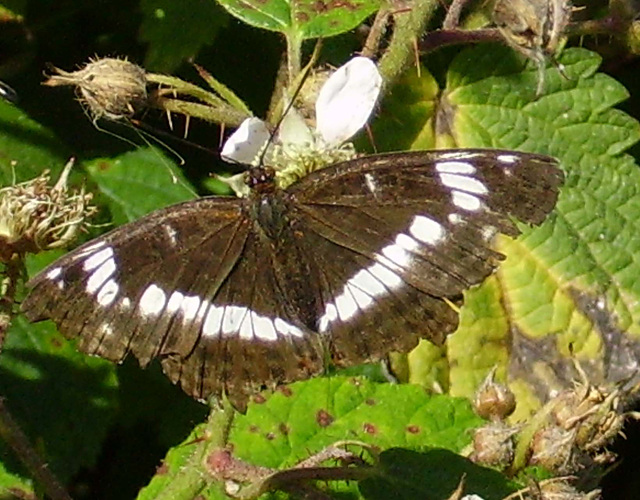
point(345, 265)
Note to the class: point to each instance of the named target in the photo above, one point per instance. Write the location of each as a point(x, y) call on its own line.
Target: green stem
point(294, 56)
point(192, 478)
point(409, 27)
point(225, 114)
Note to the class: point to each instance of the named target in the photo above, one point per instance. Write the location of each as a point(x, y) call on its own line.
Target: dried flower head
point(493, 444)
point(534, 28)
point(35, 216)
point(109, 88)
point(492, 400)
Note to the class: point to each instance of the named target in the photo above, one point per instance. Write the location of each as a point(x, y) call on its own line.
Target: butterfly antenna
point(302, 77)
point(144, 135)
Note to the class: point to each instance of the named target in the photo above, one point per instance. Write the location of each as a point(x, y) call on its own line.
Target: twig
point(12, 434)
point(452, 19)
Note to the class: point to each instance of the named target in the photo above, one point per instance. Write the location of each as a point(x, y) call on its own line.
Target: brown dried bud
point(110, 88)
point(35, 216)
point(493, 444)
point(494, 401)
point(553, 448)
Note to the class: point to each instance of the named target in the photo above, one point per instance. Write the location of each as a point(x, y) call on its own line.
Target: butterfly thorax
point(267, 206)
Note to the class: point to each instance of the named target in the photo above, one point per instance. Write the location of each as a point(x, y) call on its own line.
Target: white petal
point(347, 99)
point(294, 130)
point(246, 143)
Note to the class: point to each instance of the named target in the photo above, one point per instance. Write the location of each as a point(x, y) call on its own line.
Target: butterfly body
point(349, 263)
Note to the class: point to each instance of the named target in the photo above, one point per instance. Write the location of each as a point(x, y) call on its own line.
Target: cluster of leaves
point(568, 289)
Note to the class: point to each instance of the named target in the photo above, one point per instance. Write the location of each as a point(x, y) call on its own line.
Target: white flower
point(343, 106)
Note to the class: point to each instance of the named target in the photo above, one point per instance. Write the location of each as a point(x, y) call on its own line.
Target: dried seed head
point(494, 401)
point(533, 27)
point(109, 88)
point(553, 448)
point(594, 413)
point(35, 216)
point(494, 445)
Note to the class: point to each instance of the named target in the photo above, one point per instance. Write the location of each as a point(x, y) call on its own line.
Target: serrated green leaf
point(302, 19)
point(138, 182)
point(568, 288)
point(176, 31)
point(435, 475)
point(305, 417)
point(63, 400)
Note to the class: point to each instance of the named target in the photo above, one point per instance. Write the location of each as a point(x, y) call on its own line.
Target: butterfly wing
point(408, 231)
point(183, 284)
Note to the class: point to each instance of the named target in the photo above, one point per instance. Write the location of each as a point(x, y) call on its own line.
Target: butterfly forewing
point(350, 262)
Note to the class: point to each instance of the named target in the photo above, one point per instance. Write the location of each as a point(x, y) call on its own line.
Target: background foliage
point(104, 428)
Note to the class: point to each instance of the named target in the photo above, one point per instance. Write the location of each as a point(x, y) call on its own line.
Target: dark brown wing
point(399, 233)
point(192, 284)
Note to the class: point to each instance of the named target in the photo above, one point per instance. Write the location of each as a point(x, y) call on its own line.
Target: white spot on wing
point(456, 155)
point(397, 255)
point(153, 301)
point(105, 329)
point(455, 218)
point(263, 327)
point(171, 233)
point(346, 304)
point(427, 230)
point(54, 273)
point(100, 275)
point(97, 259)
point(359, 293)
point(246, 326)
point(507, 158)
point(370, 183)
point(407, 242)
point(466, 201)
point(455, 167)
point(174, 303)
point(87, 250)
point(287, 328)
point(463, 183)
point(190, 307)
point(213, 322)
point(233, 316)
point(108, 293)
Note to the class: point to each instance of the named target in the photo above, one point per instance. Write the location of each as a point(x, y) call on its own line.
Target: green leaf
point(138, 182)
point(305, 417)
point(63, 400)
point(569, 288)
point(302, 19)
point(433, 474)
point(27, 147)
point(176, 31)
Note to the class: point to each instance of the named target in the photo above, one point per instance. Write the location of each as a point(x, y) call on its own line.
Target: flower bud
point(494, 401)
point(110, 88)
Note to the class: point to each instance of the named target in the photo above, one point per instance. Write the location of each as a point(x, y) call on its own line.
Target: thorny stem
point(294, 56)
point(442, 38)
point(452, 18)
point(191, 479)
point(12, 434)
point(409, 27)
point(227, 115)
point(378, 28)
point(10, 431)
